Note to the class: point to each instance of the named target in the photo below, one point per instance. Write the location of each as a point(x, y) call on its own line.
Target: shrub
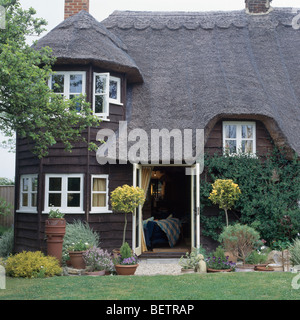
point(98, 259)
point(239, 240)
point(6, 243)
point(76, 232)
point(295, 252)
point(190, 260)
point(29, 264)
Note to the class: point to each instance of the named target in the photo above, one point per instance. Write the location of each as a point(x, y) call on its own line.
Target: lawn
point(226, 286)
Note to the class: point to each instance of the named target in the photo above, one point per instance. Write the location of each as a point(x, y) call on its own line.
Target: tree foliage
point(225, 193)
point(270, 192)
point(27, 105)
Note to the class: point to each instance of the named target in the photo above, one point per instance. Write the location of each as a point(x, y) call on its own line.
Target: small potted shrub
point(127, 262)
point(189, 263)
point(98, 261)
point(76, 251)
point(218, 262)
point(55, 229)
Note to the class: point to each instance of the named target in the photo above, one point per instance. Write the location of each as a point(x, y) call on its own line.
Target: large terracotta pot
point(55, 229)
point(76, 259)
point(126, 270)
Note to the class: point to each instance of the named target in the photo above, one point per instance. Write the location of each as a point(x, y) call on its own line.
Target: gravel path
point(151, 269)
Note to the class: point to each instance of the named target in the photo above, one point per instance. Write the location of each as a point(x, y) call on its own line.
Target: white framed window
point(28, 193)
point(106, 90)
point(239, 137)
point(64, 192)
point(99, 193)
point(68, 83)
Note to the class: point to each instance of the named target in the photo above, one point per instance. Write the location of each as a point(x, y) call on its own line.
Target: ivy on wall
point(270, 191)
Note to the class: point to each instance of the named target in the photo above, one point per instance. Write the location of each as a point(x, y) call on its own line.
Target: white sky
point(53, 12)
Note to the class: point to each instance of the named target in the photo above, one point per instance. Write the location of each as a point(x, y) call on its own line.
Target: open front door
point(195, 206)
point(137, 215)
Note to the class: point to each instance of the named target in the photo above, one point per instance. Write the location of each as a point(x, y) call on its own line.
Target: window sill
point(65, 211)
point(26, 210)
point(116, 103)
point(100, 211)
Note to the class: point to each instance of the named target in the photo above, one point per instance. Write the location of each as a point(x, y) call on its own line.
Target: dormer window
point(107, 89)
point(239, 137)
point(68, 83)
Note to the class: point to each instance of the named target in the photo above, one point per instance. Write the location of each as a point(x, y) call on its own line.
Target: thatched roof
point(199, 67)
point(81, 39)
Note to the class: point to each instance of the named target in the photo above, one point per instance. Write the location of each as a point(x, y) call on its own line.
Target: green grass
point(227, 286)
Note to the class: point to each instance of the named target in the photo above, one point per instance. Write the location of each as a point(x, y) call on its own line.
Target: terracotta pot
point(96, 273)
point(187, 270)
point(126, 270)
point(55, 229)
point(76, 258)
point(263, 268)
point(221, 270)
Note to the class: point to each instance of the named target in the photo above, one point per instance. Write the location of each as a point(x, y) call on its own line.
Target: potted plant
point(126, 199)
point(98, 261)
point(127, 262)
point(240, 240)
point(219, 262)
point(55, 229)
point(225, 193)
point(189, 263)
point(76, 251)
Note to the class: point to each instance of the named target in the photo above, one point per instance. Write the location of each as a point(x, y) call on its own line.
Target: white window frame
point(100, 209)
point(239, 138)
point(118, 99)
point(104, 115)
point(29, 208)
point(67, 75)
point(64, 193)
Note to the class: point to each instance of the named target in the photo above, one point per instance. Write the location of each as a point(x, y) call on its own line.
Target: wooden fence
point(8, 193)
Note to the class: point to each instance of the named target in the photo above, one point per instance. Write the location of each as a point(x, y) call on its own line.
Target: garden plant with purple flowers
point(218, 261)
point(219, 264)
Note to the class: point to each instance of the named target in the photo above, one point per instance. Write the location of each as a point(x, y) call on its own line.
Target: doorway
point(168, 216)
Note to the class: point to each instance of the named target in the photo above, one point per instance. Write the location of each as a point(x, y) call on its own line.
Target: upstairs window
point(239, 137)
point(68, 83)
point(106, 90)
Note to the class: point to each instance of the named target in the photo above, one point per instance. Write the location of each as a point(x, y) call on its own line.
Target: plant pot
point(263, 268)
point(76, 258)
point(221, 270)
point(96, 273)
point(187, 270)
point(55, 229)
point(126, 270)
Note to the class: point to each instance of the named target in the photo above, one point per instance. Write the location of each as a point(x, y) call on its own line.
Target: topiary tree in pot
point(225, 192)
point(126, 199)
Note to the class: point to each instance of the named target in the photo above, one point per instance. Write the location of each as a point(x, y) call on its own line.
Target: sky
point(101, 9)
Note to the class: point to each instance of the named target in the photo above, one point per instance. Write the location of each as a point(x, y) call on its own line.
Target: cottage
point(233, 75)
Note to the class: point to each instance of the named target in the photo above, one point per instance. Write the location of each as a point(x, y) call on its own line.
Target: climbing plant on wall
point(269, 201)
